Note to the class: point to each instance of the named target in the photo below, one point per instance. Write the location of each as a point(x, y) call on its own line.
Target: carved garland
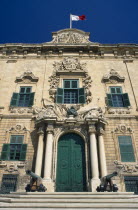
point(73, 65)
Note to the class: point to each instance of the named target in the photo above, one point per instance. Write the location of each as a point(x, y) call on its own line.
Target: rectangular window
point(116, 98)
point(9, 183)
point(131, 183)
point(24, 98)
point(126, 149)
point(70, 93)
point(16, 150)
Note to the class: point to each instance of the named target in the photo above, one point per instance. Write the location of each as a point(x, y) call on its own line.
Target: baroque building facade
point(69, 113)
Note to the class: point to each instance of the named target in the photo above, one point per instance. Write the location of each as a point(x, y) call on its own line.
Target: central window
point(70, 93)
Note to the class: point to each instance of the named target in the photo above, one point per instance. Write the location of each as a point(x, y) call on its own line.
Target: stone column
point(101, 148)
point(94, 158)
point(48, 160)
point(40, 148)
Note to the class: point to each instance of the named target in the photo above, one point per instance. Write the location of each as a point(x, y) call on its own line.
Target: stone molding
point(27, 77)
point(126, 167)
point(70, 65)
point(113, 77)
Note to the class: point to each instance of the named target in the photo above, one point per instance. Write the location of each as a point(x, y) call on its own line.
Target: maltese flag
point(76, 18)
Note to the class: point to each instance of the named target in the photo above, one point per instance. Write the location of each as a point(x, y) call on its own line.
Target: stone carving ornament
point(27, 77)
point(123, 129)
point(127, 168)
point(113, 77)
point(70, 37)
point(70, 64)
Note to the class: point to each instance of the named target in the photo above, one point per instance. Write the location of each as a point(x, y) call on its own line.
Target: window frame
point(16, 100)
point(124, 98)
point(9, 152)
point(80, 92)
point(133, 147)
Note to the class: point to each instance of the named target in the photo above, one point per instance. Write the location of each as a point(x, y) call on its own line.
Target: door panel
point(71, 172)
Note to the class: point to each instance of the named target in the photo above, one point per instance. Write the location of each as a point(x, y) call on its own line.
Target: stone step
point(73, 201)
point(70, 205)
point(11, 200)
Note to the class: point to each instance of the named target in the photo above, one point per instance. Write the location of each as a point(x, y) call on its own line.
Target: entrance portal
point(71, 165)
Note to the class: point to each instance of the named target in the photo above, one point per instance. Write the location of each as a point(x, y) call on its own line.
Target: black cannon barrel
point(29, 172)
point(109, 176)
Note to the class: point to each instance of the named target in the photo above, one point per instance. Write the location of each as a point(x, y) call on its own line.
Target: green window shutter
point(59, 96)
point(81, 96)
point(126, 149)
point(5, 152)
point(126, 100)
point(31, 100)
point(23, 152)
point(109, 100)
point(14, 99)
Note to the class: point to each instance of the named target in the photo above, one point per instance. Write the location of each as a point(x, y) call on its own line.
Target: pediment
point(27, 77)
point(70, 36)
point(113, 77)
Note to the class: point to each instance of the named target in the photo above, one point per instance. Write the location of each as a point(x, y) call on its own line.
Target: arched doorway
point(71, 164)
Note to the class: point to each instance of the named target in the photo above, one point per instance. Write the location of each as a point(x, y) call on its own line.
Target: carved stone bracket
point(113, 77)
point(126, 168)
point(27, 77)
point(73, 66)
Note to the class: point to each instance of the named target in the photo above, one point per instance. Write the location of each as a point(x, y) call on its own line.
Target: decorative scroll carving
point(127, 168)
point(19, 128)
point(27, 77)
point(12, 166)
point(70, 36)
point(123, 129)
point(113, 77)
point(20, 110)
point(119, 111)
point(70, 64)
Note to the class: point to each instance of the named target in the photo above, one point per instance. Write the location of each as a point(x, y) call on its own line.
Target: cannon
point(35, 183)
point(107, 184)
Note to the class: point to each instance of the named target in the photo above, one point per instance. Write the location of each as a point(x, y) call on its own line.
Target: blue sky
point(32, 21)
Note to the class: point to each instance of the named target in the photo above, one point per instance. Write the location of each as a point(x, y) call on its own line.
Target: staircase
point(70, 200)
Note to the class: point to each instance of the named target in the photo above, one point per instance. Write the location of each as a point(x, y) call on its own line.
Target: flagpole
point(70, 21)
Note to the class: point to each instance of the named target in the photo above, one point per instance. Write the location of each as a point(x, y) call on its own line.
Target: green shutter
point(109, 100)
point(23, 152)
point(59, 96)
point(126, 149)
point(81, 96)
point(14, 99)
point(126, 100)
point(31, 100)
point(5, 152)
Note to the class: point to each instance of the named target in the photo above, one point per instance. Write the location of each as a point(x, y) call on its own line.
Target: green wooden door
point(71, 170)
